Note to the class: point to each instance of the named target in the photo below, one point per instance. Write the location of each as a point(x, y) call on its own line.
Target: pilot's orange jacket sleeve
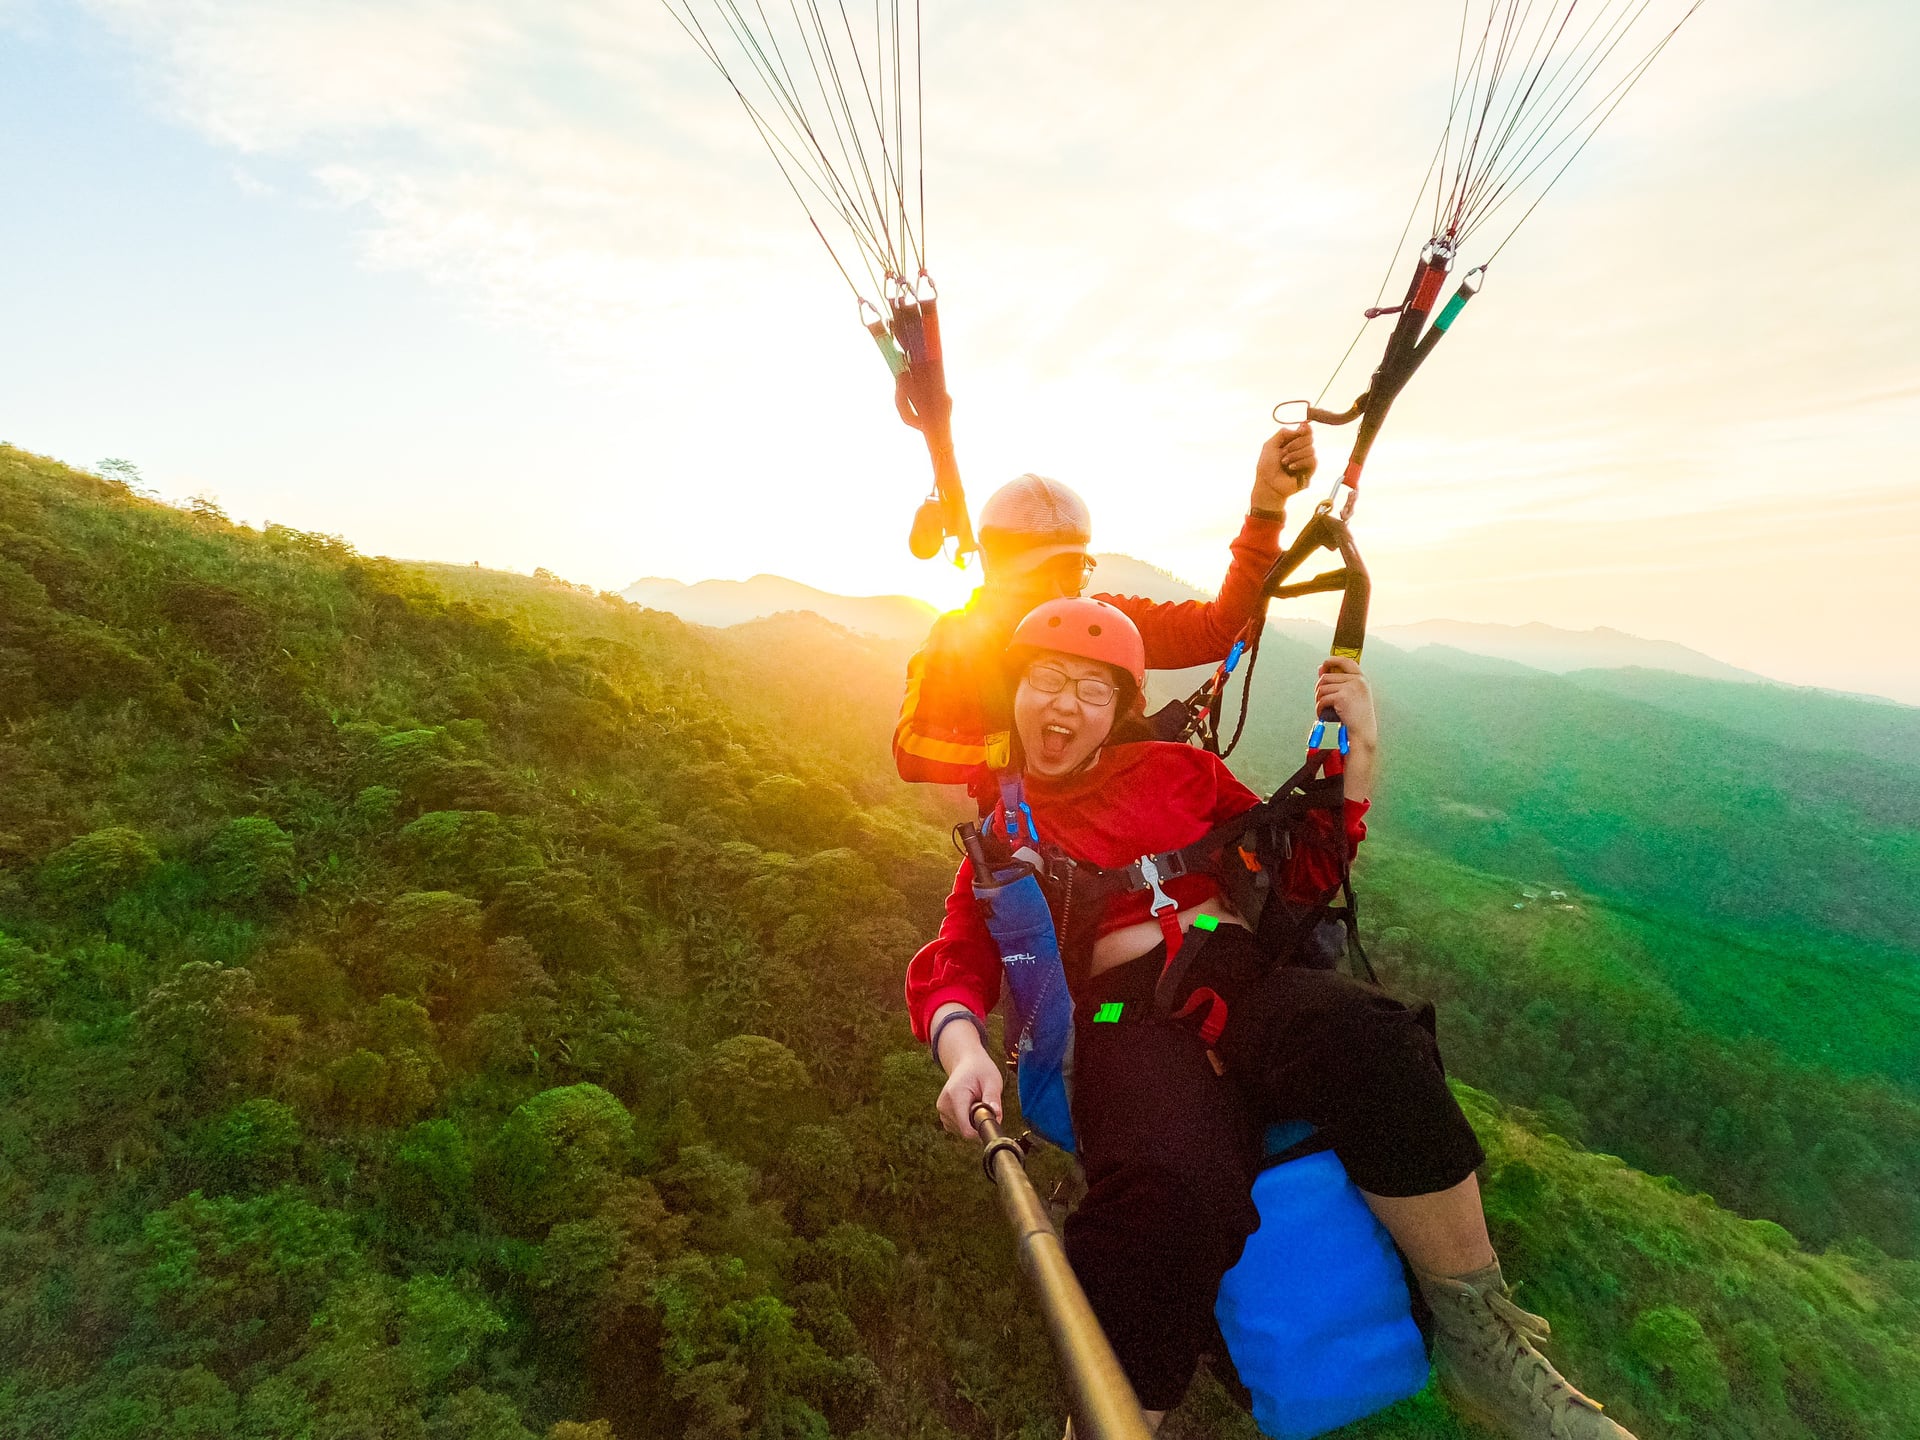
point(1200, 632)
point(954, 719)
point(956, 713)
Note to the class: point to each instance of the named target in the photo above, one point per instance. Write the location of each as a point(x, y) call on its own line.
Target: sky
point(517, 283)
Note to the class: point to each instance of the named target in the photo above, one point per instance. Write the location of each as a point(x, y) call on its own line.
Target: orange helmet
point(1091, 629)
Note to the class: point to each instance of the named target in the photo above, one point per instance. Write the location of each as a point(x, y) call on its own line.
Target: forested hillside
point(1652, 802)
point(440, 1016)
point(1800, 718)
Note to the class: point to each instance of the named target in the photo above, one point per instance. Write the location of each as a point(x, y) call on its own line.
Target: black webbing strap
point(1081, 884)
point(1203, 711)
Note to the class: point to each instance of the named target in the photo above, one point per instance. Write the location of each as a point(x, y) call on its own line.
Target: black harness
point(1244, 853)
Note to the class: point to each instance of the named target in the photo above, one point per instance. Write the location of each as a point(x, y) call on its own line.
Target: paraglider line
point(920, 120)
point(842, 204)
point(1517, 98)
point(1557, 106)
point(1633, 80)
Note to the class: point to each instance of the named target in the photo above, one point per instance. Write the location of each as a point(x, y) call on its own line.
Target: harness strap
point(1215, 1024)
point(1306, 789)
point(1077, 890)
point(1146, 874)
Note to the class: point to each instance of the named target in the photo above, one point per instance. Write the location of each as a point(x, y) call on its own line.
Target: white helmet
point(1029, 521)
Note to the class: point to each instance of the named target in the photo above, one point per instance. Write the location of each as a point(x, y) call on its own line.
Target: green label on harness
point(1109, 1012)
point(1205, 922)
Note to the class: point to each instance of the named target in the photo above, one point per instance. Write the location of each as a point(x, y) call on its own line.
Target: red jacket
point(1135, 800)
point(954, 721)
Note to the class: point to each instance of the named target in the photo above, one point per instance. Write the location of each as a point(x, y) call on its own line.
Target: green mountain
point(436, 1004)
point(1562, 780)
point(1880, 731)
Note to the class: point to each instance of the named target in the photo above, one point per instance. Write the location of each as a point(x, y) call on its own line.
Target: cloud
point(1137, 190)
point(1149, 222)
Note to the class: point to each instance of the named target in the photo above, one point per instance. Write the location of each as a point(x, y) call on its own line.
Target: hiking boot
point(1485, 1351)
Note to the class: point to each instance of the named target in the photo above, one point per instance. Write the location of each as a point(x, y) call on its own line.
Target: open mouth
point(1055, 741)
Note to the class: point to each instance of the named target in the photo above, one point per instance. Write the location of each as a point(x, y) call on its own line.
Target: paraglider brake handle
point(1326, 531)
point(1298, 412)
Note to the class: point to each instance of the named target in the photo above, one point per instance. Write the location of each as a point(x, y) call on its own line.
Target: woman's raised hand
point(1342, 689)
point(1285, 467)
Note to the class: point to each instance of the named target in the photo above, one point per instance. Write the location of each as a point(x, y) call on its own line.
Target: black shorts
point(1316, 1045)
point(1168, 1148)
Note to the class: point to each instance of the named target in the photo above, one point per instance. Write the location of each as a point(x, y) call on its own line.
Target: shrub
point(26, 974)
point(477, 1414)
point(429, 1180)
point(251, 859)
point(1674, 1344)
point(210, 1025)
point(239, 1279)
point(820, 1175)
point(555, 1156)
point(750, 1090)
point(253, 1145)
point(97, 866)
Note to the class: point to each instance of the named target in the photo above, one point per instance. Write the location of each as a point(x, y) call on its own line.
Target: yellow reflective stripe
point(947, 752)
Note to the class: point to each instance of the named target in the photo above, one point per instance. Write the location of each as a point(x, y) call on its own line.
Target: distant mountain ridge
point(722, 603)
point(1115, 574)
point(1814, 718)
point(1534, 645)
point(1557, 651)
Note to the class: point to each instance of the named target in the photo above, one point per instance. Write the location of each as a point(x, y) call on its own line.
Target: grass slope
point(1617, 1029)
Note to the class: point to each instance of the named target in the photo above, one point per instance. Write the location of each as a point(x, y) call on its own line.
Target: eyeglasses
point(1092, 691)
point(1068, 569)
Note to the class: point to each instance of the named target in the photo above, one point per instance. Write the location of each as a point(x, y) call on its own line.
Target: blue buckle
point(1316, 740)
point(1014, 808)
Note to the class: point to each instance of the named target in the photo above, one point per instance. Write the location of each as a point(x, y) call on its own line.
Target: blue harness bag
point(1039, 1009)
point(1315, 1314)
